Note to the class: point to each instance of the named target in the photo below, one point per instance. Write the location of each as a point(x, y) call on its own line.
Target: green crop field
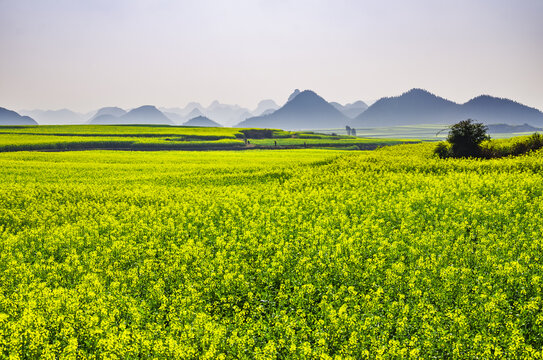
point(105, 137)
point(120, 130)
point(265, 254)
point(430, 132)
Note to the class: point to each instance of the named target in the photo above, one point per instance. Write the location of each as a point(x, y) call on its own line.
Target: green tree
point(466, 137)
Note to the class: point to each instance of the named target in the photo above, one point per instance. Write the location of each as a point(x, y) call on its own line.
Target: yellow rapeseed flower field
point(265, 254)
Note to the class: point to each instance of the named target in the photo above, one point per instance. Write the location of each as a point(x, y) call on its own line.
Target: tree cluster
point(350, 131)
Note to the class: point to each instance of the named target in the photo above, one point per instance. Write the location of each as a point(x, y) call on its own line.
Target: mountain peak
point(293, 95)
point(265, 106)
point(487, 100)
point(418, 92)
point(267, 102)
point(143, 115)
point(195, 113)
point(146, 108)
point(306, 96)
point(416, 106)
point(110, 110)
point(306, 110)
point(202, 121)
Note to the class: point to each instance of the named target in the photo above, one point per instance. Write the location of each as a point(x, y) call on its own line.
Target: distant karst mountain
point(265, 106)
point(305, 110)
point(416, 106)
point(8, 117)
point(196, 112)
point(176, 118)
point(419, 106)
point(488, 109)
point(193, 105)
point(227, 114)
point(202, 121)
point(108, 111)
point(147, 114)
point(351, 110)
point(293, 95)
point(56, 117)
point(224, 114)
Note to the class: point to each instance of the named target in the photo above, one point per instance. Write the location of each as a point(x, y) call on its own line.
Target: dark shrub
point(257, 133)
point(465, 138)
point(443, 150)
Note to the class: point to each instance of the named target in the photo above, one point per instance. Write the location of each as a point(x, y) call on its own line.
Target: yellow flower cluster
point(270, 254)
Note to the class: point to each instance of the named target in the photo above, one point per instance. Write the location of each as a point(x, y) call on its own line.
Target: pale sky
point(85, 54)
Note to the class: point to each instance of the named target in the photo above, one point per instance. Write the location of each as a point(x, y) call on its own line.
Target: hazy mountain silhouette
point(504, 128)
point(488, 109)
point(56, 117)
point(111, 110)
point(418, 106)
point(268, 112)
point(8, 117)
point(307, 110)
point(265, 106)
point(176, 118)
point(226, 114)
point(351, 110)
point(202, 121)
point(147, 114)
point(293, 95)
point(194, 113)
point(246, 115)
point(193, 105)
point(105, 119)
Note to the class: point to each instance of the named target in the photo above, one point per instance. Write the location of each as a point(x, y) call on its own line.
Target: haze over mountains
point(225, 114)
point(351, 110)
point(146, 114)
point(419, 106)
point(113, 111)
point(202, 121)
point(265, 107)
point(306, 110)
point(56, 117)
point(8, 117)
